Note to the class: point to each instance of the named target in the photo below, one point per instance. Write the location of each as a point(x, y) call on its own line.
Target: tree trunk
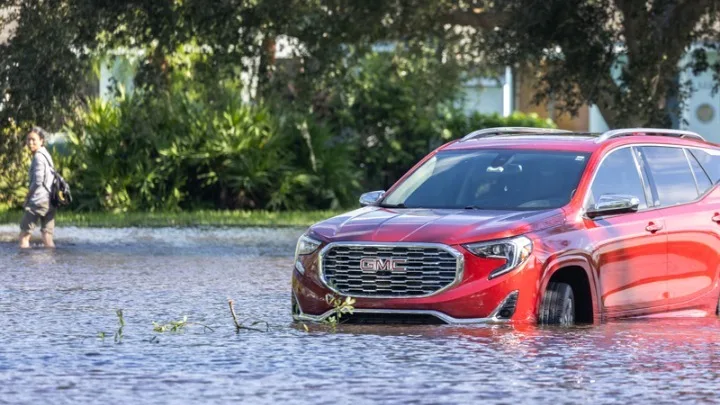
point(265, 67)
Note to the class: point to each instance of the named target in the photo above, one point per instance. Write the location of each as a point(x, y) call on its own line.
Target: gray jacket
point(41, 177)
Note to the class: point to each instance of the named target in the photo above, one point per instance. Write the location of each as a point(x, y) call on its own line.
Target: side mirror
point(371, 198)
point(609, 204)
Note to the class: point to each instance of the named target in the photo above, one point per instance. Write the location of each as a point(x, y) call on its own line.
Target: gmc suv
point(527, 225)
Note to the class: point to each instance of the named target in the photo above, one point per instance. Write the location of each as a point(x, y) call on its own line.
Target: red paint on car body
point(660, 259)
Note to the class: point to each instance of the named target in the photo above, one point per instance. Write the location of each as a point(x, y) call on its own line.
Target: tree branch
point(635, 24)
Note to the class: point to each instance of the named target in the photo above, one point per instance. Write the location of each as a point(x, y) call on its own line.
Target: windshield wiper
point(474, 207)
point(401, 205)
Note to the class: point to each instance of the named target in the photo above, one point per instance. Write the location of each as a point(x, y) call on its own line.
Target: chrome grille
point(425, 269)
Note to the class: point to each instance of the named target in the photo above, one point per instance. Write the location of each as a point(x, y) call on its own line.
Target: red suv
point(528, 225)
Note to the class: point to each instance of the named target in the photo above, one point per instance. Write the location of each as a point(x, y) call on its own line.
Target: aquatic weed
point(340, 307)
point(119, 332)
point(177, 326)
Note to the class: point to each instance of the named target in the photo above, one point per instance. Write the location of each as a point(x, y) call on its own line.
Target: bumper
point(476, 299)
point(494, 318)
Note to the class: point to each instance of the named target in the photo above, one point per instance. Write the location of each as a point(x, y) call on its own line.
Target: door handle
point(716, 218)
point(653, 227)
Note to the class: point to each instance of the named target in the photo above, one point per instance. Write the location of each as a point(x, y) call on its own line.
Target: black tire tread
point(551, 310)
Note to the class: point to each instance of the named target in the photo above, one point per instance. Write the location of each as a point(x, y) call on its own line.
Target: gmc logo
point(371, 264)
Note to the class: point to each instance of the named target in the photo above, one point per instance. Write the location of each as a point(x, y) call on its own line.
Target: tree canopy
point(622, 55)
point(625, 56)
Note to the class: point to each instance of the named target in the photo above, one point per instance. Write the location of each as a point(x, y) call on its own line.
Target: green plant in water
point(121, 321)
point(340, 307)
point(172, 326)
point(176, 326)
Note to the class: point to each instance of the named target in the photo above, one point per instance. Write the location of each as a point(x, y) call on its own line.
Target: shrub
point(202, 149)
point(394, 108)
point(14, 165)
point(391, 108)
point(323, 173)
point(460, 125)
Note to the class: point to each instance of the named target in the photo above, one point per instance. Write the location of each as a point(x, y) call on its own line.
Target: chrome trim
point(459, 268)
point(482, 133)
point(492, 318)
point(299, 267)
point(678, 133)
point(608, 204)
point(695, 179)
point(371, 198)
point(644, 179)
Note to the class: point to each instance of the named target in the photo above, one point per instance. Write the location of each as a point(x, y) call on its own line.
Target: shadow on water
point(55, 304)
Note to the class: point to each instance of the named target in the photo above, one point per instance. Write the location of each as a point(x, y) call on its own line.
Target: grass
point(179, 219)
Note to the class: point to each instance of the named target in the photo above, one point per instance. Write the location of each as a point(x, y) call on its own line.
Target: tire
point(558, 305)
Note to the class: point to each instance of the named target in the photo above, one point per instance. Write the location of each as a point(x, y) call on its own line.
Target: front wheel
point(558, 305)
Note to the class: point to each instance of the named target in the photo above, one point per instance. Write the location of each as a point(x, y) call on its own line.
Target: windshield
point(492, 180)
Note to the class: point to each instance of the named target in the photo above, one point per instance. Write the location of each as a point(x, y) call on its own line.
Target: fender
point(574, 259)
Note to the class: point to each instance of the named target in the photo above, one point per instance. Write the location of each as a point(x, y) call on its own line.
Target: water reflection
point(53, 304)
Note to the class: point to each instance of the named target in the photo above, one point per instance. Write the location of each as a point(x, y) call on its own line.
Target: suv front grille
point(389, 271)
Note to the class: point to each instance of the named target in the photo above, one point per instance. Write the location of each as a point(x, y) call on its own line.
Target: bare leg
point(25, 240)
point(48, 240)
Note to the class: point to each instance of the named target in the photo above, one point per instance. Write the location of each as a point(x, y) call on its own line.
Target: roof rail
point(487, 132)
point(677, 133)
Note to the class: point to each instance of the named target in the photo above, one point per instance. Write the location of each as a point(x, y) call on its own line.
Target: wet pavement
point(55, 305)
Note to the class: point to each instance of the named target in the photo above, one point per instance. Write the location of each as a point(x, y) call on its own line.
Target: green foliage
point(337, 119)
point(460, 125)
point(121, 325)
point(190, 147)
point(340, 307)
point(623, 56)
point(323, 169)
point(14, 165)
point(115, 161)
point(172, 326)
point(390, 107)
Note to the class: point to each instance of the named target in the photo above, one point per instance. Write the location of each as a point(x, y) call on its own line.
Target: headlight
point(514, 251)
point(305, 246)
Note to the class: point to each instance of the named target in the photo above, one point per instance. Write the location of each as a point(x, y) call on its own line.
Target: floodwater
point(55, 305)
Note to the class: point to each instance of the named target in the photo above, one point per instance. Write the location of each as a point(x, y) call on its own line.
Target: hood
point(449, 226)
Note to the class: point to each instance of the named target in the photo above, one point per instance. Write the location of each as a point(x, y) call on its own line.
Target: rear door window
point(701, 177)
point(671, 175)
point(618, 174)
point(709, 162)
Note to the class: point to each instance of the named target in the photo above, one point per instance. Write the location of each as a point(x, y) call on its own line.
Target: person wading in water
point(37, 203)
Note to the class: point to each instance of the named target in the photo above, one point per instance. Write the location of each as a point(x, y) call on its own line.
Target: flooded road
point(55, 306)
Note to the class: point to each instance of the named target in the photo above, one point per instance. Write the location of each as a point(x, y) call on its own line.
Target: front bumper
point(496, 317)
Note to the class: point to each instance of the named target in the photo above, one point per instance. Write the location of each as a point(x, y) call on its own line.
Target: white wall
point(597, 122)
point(489, 95)
point(485, 100)
point(702, 111)
point(120, 68)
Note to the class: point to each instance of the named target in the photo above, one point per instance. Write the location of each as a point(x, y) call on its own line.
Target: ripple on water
point(54, 305)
